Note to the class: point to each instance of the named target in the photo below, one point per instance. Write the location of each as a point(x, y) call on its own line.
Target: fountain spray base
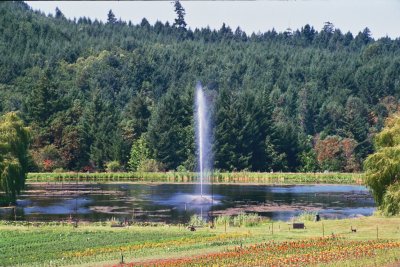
point(201, 199)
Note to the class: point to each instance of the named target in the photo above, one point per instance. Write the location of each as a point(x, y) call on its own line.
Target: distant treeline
point(120, 95)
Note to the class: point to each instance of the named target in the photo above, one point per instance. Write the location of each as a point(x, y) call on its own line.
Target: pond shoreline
point(191, 183)
point(192, 177)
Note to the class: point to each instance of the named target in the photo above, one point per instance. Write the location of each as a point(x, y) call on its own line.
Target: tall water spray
point(203, 137)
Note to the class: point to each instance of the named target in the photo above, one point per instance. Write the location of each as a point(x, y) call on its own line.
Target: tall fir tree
point(168, 129)
point(111, 19)
point(223, 132)
point(180, 15)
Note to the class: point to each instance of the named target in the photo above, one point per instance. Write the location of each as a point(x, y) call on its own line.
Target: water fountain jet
point(203, 143)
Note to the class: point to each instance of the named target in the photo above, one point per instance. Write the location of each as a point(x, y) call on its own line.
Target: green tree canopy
point(383, 167)
point(89, 89)
point(171, 131)
point(14, 141)
point(139, 153)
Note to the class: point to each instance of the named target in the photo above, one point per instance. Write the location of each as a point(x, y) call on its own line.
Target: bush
point(243, 219)
point(47, 158)
point(181, 168)
point(306, 216)
point(222, 220)
point(150, 165)
point(58, 170)
point(197, 220)
point(113, 166)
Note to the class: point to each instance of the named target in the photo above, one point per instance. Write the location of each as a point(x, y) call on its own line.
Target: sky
point(382, 17)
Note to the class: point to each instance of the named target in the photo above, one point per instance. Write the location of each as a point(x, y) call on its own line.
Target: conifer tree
point(111, 19)
point(59, 14)
point(169, 127)
point(180, 13)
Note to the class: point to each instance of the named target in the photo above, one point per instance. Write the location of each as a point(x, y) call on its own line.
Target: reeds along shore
point(192, 177)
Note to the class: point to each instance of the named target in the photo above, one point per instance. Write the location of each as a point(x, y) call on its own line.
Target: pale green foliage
point(306, 216)
point(390, 135)
point(243, 219)
point(383, 167)
point(139, 153)
point(181, 168)
point(223, 220)
point(240, 220)
point(113, 166)
point(150, 165)
point(58, 170)
point(14, 141)
point(197, 220)
point(391, 200)
point(308, 161)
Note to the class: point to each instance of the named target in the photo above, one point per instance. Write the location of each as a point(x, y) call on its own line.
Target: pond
point(175, 202)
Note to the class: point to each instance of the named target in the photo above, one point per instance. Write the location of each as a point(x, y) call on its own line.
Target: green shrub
point(243, 219)
point(181, 168)
point(222, 220)
point(197, 220)
point(306, 216)
point(150, 165)
point(47, 158)
point(113, 166)
point(58, 170)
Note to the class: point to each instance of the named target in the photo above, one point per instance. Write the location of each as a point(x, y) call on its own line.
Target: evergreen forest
point(119, 95)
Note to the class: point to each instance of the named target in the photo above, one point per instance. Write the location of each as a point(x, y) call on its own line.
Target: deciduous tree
point(14, 142)
point(139, 153)
point(383, 167)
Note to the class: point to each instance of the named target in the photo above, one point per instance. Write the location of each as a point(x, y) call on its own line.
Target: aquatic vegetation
point(244, 219)
point(216, 176)
point(306, 216)
point(240, 220)
point(223, 220)
point(197, 220)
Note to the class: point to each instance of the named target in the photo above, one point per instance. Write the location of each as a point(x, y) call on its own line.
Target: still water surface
point(174, 202)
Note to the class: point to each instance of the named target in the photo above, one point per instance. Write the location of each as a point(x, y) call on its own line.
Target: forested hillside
point(92, 93)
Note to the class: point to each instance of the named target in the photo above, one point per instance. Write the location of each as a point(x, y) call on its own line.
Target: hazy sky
point(382, 17)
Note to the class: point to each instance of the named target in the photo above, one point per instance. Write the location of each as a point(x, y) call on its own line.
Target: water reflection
point(176, 202)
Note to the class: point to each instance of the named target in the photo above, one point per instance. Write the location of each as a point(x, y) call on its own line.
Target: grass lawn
point(376, 242)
